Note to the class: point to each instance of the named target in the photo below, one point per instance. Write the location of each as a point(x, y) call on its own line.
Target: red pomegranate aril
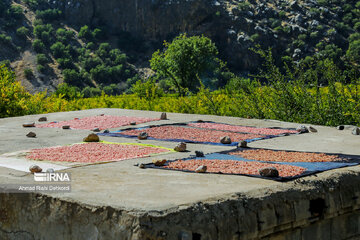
point(93, 152)
point(101, 122)
point(284, 156)
point(233, 167)
point(244, 129)
point(193, 134)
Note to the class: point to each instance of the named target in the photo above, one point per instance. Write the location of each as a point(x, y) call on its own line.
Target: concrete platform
point(120, 201)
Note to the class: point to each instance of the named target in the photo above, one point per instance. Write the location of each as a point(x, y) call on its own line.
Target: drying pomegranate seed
point(192, 134)
point(93, 152)
point(233, 167)
point(283, 156)
point(101, 122)
point(244, 129)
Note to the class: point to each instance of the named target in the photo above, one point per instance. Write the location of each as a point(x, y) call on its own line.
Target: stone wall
point(327, 208)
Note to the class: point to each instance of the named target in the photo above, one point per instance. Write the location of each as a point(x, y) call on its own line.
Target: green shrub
point(38, 46)
point(28, 73)
point(254, 37)
point(85, 33)
point(41, 68)
point(67, 91)
point(59, 50)
point(49, 15)
point(353, 53)
point(72, 77)
point(65, 63)
point(13, 97)
point(244, 6)
point(41, 59)
point(22, 32)
point(5, 39)
point(64, 35)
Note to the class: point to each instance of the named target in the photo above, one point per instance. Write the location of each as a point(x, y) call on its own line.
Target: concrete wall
point(311, 209)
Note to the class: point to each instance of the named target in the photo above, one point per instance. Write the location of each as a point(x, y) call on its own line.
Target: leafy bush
point(353, 53)
point(58, 50)
point(41, 68)
point(67, 92)
point(44, 32)
point(64, 35)
point(85, 33)
point(22, 32)
point(42, 59)
point(13, 97)
point(28, 73)
point(148, 90)
point(49, 15)
point(5, 39)
point(72, 77)
point(38, 46)
point(65, 63)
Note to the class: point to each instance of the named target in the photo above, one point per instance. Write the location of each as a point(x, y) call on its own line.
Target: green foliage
point(5, 39)
point(22, 32)
point(68, 92)
point(13, 15)
point(65, 63)
point(64, 35)
point(34, 4)
point(85, 33)
point(88, 92)
point(98, 34)
point(186, 61)
point(42, 59)
point(72, 77)
point(44, 33)
point(28, 73)
point(59, 50)
point(244, 6)
point(41, 68)
point(48, 15)
point(353, 53)
point(5, 63)
point(13, 96)
point(106, 74)
point(256, 36)
point(148, 90)
point(38, 46)
point(103, 50)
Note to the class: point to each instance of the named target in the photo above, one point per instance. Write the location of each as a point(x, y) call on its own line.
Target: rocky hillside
point(297, 29)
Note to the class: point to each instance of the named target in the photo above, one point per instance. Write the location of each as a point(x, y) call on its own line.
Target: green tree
point(42, 59)
point(38, 46)
point(353, 53)
point(85, 33)
point(67, 91)
point(22, 32)
point(186, 61)
point(58, 49)
point(13, 97)
point(28, 73)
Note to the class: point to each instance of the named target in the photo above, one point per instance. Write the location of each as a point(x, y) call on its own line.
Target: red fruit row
point(220, 126)
point(283, 156)
point(234, 167)
point(101, 122)
point(193, 134)
point(92, 152)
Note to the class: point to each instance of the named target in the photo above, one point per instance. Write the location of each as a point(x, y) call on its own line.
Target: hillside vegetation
point(46, 46)
point(293, 61)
